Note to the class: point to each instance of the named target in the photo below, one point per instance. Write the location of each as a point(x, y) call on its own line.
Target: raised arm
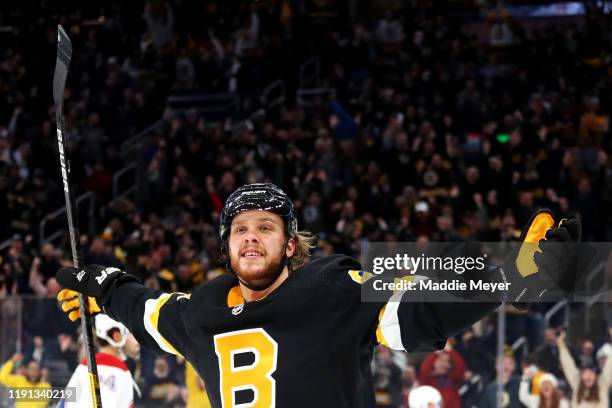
point(417, 322)
point(525, 396)
point(6, 377)
point(572, 375)
point(605, 378)
point(153, 317)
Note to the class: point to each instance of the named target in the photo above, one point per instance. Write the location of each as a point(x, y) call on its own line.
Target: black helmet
point(258, 196)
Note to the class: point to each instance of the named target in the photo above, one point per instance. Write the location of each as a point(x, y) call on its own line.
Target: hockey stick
point(62, 63)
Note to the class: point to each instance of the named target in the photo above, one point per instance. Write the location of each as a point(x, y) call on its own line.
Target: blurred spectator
point(603, 354)
point(68, 349)
point(160, 24)
point(444, 371)
point(470, 348)
point(586, 357)
point(387, 379)
point(33, 376)
point(549, 395)
point(511, 383)
point(588, 388)
point(100, 252)
point(37, 350)
point(533, 372)
point(547, 355)
point(161, 386)
point(410, 382)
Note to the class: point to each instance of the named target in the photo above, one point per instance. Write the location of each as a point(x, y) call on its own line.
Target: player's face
point(256, 245)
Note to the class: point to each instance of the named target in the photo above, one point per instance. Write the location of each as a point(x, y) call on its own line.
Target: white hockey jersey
point(116, 384)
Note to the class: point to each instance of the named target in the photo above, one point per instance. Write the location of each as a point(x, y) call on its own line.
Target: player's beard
point(260, 279)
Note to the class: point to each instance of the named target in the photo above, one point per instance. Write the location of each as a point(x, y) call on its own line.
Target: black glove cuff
point(118, 281)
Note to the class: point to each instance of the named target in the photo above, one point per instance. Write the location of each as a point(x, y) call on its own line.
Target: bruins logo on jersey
point(359, 276)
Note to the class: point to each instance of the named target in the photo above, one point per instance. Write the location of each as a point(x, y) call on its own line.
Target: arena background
point(384, 120)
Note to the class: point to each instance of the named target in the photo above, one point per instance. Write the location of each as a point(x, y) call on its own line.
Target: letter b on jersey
point(247, 359)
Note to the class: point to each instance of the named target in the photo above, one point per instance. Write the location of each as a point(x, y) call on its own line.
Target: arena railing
point(595, 299)
point(58, 215)
point(274, 94)
point(553, 310)
point(309, 73)
point(521, 343)
point(222, 105)
point(135, 142)
point(313, 97)
point(4, 245)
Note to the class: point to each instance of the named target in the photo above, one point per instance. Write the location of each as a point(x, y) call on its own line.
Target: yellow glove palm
point(71, 304)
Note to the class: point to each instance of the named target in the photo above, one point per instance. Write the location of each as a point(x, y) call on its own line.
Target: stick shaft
point(64, 55)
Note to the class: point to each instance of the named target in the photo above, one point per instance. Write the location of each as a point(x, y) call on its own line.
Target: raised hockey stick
point(62, 63)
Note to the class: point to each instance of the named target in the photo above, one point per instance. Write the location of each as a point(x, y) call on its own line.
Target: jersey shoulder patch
point(332, 270)
point(359, 276)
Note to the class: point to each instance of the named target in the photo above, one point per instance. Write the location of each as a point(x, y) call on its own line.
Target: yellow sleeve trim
point(154, 318)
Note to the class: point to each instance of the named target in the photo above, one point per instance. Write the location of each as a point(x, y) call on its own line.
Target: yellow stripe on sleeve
point(151, 320)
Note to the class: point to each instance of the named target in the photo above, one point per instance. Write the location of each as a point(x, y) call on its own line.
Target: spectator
point(588, 389)
point(549, 395)
point(444, 371)
point(160, 24)
point(547, 356)
point(510, 383)
point(33, 377)
point(586, 358)
point(471, 347)
point(410, 382)
point(387, 379)
point(603, 354)
point(161, 386)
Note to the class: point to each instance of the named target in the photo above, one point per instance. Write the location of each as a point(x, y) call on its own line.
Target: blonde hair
point(304, 242)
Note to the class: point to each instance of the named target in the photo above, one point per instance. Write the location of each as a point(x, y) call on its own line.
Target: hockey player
point(274, 332)
point(116, 383)
point(425, 396)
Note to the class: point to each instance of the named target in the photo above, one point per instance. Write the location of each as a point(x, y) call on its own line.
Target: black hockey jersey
point(309, 343)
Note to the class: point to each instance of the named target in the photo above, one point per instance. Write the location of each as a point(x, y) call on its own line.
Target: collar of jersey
point(235, 298)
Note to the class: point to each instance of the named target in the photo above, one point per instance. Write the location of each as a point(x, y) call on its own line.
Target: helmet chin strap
point(284, 262)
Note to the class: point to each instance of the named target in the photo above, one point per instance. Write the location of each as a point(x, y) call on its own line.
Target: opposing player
point(278, 332)
point(425, 396)
point(116, 383)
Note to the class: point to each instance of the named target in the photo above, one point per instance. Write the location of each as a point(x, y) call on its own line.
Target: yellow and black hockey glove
point(94, 281)
point(544, 259)
point(71, 304)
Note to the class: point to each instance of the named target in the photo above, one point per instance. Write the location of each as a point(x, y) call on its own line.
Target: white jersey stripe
point(389, 323)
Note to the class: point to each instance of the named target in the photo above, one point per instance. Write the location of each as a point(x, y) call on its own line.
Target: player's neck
point(111, 350)
point(251, 295)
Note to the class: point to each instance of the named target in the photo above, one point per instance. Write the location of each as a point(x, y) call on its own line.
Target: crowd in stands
point(553, 375)
point(430, 133)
